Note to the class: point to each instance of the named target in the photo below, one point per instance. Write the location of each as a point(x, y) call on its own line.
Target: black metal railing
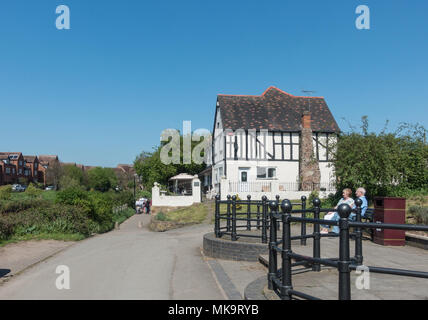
point(280, 280)
point(248, 215)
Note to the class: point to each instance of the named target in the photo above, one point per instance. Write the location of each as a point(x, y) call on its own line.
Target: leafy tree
point(386, 164)
point(66, 182)
point(54, 173)
point(102, 179)
point(75, 173)
point(151, 169)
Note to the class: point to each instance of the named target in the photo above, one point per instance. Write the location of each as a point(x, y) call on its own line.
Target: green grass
point(124, 215)
point(189, 215)
point(43, 236)
point(20, 196)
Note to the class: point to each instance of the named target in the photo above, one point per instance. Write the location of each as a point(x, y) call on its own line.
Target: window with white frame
point(266, 172)
point(286, 146)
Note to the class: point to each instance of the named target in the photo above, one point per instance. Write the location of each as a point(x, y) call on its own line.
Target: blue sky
point(102, 92)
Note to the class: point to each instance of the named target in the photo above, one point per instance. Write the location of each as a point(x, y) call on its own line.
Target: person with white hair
point(361, 194)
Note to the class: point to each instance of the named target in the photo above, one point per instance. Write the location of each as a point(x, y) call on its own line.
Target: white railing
point(252, 186)
point(296, 186)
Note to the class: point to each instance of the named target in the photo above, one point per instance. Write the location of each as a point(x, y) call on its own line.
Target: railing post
point(258, 216)
point(344, 211)
point(358, 234)
point(317, 235)
point(264, 219)
point(228, 213)
point(233, 236)
point(277, 203)
point(249, 213)
point(273, 265)
point(303, 224)
point(217, 216)
point(286, 250)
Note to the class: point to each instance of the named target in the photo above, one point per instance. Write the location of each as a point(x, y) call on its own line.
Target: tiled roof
point(274, 110)
point(46, 159)
point(10, 153)
point(30, 159)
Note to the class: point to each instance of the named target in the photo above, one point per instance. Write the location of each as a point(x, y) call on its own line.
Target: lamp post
point(135, 200)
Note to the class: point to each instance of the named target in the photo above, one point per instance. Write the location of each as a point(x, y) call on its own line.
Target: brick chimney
point(306, 119)
point(310, 174)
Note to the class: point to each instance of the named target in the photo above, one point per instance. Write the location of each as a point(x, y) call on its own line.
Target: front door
point(243, 180)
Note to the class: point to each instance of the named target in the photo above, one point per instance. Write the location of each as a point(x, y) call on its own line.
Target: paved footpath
point(130, 263)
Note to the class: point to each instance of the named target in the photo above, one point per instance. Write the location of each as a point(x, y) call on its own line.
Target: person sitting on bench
point(334, 216)
point(361, 194)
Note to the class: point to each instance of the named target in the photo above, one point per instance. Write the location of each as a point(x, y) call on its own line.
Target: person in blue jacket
point(361, 194)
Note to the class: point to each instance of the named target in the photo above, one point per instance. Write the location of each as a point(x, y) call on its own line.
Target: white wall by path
point(159, 200)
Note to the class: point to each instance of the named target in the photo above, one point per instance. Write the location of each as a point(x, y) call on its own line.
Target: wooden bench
point(369, 217)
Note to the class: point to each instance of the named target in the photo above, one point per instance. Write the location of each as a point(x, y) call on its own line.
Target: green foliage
point(150, 167)
point(161, 216)
point(152, 170)
point(102, 179)
point(420, 214)
point(5, 192)
point(73, 214)
point(15, 206)
point(314, 194)
point(66, 182)
point(73, 173)
point(32, 191)
point(386, 164)
point(238, 205)
point(144, 194)
point(46, 218)
point(330, 202)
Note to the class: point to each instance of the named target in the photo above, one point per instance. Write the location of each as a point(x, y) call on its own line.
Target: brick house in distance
point(31, 168)
point(16, 159)
point(44, 162)
point(7, 170)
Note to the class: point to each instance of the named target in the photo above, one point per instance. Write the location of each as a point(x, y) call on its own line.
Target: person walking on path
point(147, 205)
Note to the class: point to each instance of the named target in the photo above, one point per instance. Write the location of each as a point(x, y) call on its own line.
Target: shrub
point(6, 227)
point(314, 194)
point(32, 191)
point(123, 197)
point(66, 182)
point(20, 205)
point(71, 195)
point(161, 216)
point(5, 192)
point(238, 205)
point(330, 201)
point(420, 214)
point(74, 211)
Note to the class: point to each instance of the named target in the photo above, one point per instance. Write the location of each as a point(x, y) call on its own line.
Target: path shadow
point(4, 272)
